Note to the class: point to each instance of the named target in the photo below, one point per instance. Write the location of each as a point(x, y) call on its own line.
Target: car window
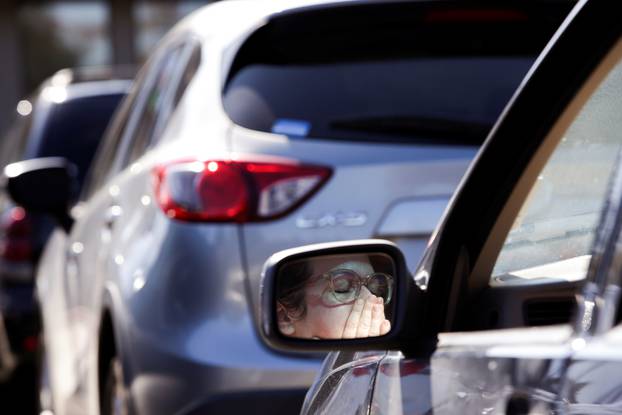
point(110, 144)
point(160, 103)
point(551, 238)
point(74, 129)
point(420, 79)
point(190, 69)
point(15, 139)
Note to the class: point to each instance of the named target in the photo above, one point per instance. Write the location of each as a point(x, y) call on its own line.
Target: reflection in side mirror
point(344, 296)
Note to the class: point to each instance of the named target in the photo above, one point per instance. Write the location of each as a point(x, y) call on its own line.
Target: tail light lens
point(16, 242)
point(234, 191)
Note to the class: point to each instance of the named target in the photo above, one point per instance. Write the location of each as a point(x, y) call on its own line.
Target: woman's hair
point(290, 288)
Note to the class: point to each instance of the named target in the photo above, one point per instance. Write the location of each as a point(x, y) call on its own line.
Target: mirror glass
point(336, 296)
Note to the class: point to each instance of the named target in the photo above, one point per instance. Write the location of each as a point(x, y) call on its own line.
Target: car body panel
point(591, 385)
point(432, 172)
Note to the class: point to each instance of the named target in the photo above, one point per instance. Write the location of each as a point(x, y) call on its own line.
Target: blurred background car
point(65, 117)
point(254, 127)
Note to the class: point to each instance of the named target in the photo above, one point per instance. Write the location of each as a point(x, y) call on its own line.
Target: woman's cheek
point(331, 321)
point(329, 299)
point(326, 317)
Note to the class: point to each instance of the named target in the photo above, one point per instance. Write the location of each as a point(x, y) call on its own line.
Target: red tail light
point(16, 244)
point(234, 191)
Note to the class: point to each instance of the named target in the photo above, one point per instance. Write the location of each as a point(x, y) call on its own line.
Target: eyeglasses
point(345, 285)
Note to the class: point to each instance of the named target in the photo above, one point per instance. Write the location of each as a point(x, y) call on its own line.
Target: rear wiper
point(452, 131)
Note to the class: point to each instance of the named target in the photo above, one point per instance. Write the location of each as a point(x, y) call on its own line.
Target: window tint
point(552, 236)
point(447, 100)
point(412, 73)
point(74, 129)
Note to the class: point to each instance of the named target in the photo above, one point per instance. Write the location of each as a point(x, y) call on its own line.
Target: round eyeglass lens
point(345, 285)
point(380, 285)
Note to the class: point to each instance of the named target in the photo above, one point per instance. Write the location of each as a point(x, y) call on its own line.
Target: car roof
point(228, 20)
point(93, 88)
point(240, 15)
point(73, 83)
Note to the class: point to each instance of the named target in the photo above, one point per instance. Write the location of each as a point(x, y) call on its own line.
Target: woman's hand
point(366, 319)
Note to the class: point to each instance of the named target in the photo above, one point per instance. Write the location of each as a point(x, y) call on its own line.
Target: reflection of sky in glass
point(154, 19)
point(83, 27)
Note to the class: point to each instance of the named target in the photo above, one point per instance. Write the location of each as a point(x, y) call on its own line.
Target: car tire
point(114, 400)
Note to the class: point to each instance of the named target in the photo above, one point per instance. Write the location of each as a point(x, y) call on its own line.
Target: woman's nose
point(365, 293)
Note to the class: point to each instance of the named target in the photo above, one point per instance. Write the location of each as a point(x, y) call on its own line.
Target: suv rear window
point(386, 72)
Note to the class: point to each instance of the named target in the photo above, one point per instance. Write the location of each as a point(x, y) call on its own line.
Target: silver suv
point(254, 127)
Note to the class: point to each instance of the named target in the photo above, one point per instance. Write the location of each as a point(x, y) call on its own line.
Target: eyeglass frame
point(362, 282)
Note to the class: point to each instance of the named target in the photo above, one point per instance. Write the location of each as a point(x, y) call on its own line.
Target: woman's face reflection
point(337, 304)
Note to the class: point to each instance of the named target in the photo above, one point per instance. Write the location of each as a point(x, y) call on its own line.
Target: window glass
point(156, 109)
point(552, 236)
point(189, 71)
point(107, 150)
point(400, 98)
point(74, 129)
point(410, 75)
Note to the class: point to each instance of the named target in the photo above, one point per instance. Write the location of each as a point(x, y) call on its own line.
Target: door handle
point(113, 213)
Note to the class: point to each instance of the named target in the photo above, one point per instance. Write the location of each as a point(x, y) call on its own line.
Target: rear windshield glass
point(410, 73)
point(74, 128)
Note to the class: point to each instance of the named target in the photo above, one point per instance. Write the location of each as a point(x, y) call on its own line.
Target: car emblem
point(331, 220)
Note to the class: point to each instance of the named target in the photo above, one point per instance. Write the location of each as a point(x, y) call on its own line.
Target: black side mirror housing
point(44, 185)
point(403, 305)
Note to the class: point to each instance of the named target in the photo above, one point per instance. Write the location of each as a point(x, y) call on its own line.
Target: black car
point(516, 305)
point(65, 117)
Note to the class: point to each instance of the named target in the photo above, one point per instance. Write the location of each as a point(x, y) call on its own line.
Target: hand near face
point(366, 319)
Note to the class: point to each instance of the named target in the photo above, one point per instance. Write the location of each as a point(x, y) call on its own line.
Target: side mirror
point(44, 185)
point(351, 295)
